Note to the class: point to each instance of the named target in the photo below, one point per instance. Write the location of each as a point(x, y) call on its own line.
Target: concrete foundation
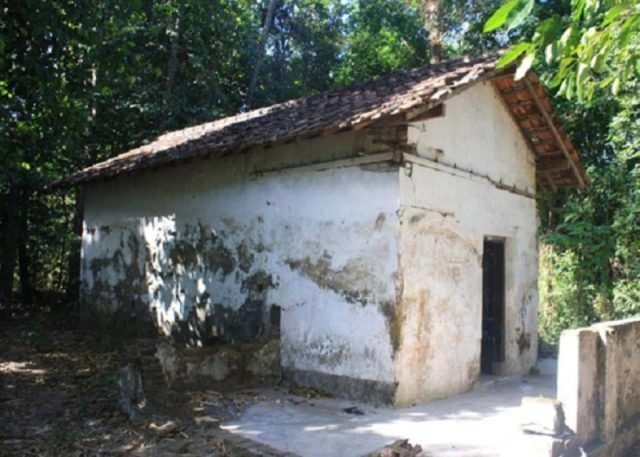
point(222, 367)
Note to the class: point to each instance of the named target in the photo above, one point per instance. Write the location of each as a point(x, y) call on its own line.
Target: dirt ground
point(59, 396)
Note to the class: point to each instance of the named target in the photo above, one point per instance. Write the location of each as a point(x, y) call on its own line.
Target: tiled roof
point(326, 113)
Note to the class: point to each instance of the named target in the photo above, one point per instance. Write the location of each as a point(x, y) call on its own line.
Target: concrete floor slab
point(481, 423)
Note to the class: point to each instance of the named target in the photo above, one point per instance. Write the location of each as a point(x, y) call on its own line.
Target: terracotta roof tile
point(341, 109)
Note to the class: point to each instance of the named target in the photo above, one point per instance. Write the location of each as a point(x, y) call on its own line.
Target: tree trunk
point(26, 291)
point(430, 13)
point(172, 65)
point(261, 50)
point(9, 245)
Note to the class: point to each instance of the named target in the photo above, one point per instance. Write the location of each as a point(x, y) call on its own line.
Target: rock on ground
point(399, 448)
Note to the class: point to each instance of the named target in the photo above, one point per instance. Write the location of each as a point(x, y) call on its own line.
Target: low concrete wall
point(599, 385)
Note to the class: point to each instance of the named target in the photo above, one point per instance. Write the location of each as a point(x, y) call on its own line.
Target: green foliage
point(82, 82)
point(590, 256)
point(384, 36)
point(511, 14)
point(560, 307)
point(596, 45)
point(461, 22)
point(625, 136)
point(304, 49)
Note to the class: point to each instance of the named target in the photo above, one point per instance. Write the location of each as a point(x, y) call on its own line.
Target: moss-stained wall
point(221, 251)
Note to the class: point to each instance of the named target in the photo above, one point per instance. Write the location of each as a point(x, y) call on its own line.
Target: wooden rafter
point(553, 164)
point(534, 117)
point(554, 130)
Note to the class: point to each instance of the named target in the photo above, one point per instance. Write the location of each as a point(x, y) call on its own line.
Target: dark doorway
point(492, 306)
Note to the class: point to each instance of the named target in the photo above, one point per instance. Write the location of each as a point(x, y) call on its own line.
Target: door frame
point(493, 316)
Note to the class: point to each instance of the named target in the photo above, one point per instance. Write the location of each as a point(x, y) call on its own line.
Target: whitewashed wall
point(445, 215)
point(213, 237)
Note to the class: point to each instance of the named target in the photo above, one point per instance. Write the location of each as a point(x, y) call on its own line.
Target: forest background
point(81, 81)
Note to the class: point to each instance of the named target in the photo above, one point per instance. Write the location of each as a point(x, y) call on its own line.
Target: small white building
point(386, 232)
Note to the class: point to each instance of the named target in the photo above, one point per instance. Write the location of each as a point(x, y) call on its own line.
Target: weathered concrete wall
point(447, 207)
point(599, 385)
point(221, 250)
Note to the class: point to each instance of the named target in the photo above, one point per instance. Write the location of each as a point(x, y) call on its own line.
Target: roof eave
point(558, 164)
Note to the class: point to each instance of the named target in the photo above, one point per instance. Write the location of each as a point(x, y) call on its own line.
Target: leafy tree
point(304, 48)
point(590, 262)
point(39, 112)
point(385, 36)
point(597, 45)
point(461, 22)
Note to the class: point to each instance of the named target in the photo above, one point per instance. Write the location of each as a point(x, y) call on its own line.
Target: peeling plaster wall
point(203, 251)
point(445, 214)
